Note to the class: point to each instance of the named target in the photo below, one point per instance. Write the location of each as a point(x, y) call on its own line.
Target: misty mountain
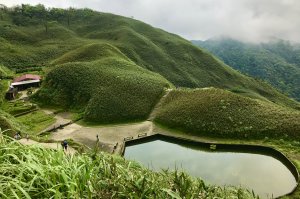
point(277, 62)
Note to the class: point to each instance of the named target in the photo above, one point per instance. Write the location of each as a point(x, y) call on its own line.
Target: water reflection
point(265, 175)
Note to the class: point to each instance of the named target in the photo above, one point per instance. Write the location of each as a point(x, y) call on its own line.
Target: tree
point(70, 14)
point(3, 9)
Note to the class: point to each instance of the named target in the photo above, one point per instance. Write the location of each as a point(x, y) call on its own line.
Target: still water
point(264, 174)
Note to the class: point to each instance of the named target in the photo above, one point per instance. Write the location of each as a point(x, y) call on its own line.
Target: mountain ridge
point(277, 62)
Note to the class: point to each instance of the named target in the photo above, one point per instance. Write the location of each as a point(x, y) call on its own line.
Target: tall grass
point(9, 123)
point(219, 113)
point(32, 172)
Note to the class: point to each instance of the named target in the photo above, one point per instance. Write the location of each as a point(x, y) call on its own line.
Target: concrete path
point(158, 105)
point(61, 119)
point(56, 146)
point(110, 137)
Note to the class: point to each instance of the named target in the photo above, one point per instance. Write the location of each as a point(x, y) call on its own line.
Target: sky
point(245, 20)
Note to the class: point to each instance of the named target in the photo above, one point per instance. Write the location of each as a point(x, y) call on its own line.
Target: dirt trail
point(158, 105)
point(47, 145)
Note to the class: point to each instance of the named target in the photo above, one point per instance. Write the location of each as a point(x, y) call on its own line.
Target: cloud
point(247, 20)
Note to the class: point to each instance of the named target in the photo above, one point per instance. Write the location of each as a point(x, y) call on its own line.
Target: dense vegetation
point(31, 172)
point(277, 62)
point(32, 37)
point(107, 90)
point(219, 113)
point(110, 69)
point(5, 72)
point(9, 123)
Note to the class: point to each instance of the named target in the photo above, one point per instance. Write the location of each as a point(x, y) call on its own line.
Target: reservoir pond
point(265, 175)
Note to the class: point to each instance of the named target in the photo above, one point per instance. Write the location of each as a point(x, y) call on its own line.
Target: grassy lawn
point(36, 121)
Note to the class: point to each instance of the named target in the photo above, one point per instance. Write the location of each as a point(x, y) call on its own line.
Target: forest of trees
point(23, 15)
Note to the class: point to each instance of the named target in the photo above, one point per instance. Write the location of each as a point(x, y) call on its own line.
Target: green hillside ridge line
point(90, 52)
point(220, 113)
point(73, 37)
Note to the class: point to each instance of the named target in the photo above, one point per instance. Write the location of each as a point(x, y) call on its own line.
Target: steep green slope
point(218, 113)
point(276, 62)
point(107, 90)
point(35, 36)
point(9, 123)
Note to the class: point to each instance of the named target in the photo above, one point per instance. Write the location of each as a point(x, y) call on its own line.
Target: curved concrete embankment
point(244, 148)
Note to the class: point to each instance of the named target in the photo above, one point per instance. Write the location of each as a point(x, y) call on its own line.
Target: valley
point(105, 79)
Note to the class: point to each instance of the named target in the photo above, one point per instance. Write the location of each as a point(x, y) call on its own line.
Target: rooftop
point(27, 77)
point(25, 82)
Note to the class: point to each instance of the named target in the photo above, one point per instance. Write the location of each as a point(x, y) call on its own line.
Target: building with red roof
point(27, 77)
point(26, 81)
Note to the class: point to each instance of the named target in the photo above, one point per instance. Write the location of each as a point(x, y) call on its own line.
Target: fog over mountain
point(247, 20)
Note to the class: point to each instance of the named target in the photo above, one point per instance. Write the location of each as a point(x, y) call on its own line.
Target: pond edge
point(247, 148)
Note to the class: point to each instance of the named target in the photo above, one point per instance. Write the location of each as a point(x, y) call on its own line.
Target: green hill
point(277, 62)
point(108, 90)
point(220, 113)
point(110, 68)
point(32, 36)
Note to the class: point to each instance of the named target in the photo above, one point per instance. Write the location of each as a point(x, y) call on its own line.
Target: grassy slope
point(276, 62)
point(174, 58)
point(9, 123)
point(107, 90)
point(35, 122)
point(43, 173)
point(219, 113)
point(5, 72)
point(31, 123)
